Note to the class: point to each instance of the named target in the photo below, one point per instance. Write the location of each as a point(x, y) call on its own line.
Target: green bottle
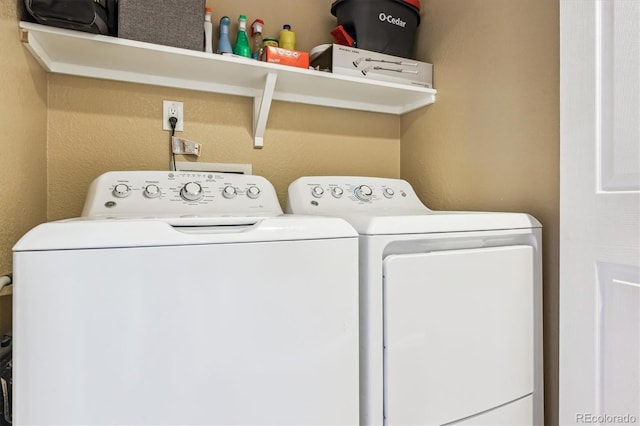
point(242, 47)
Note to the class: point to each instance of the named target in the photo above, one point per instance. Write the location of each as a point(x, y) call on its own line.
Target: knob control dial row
point(191, 191)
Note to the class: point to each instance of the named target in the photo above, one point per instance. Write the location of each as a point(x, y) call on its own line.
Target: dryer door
point(458, 333)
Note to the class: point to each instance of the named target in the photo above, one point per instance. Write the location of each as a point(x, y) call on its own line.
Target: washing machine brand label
point(390, 19)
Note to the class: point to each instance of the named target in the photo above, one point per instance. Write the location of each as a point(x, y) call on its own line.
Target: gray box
point(178, 23)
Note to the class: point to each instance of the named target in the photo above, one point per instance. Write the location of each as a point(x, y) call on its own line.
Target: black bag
point(6, 380)
point(92, 16)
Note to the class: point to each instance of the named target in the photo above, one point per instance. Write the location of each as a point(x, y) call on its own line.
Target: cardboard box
point(177, 23)
point(373, 66)
point(278, 55)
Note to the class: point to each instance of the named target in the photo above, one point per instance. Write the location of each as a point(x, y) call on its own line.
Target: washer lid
point(86, 233)
point(440, 221)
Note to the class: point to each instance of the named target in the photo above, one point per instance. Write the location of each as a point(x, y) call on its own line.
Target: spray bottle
point(242, 41)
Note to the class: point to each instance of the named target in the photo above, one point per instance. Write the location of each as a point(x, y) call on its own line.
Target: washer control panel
point(345, 194)
point(145, 193)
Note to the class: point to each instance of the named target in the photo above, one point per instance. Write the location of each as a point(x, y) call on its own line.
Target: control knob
point(337, 192)
point(192, 191)
point(388, 192)
point(121, 190)
point(152, 191)
point(253, 192)
point(317, 191)
point(229, 192)
point(364, 193)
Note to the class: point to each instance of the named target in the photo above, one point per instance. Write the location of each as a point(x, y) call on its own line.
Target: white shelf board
point(90, 55)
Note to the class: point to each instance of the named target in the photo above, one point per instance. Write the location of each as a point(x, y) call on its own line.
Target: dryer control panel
point(346, 194)
point(179, 193)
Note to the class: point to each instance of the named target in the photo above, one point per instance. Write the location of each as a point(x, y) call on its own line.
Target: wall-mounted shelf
point(90, 55)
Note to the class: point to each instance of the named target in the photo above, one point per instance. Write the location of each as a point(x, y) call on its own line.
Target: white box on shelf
point(369, 65)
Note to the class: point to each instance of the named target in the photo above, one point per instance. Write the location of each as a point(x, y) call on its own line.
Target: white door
point(599, 212)
point(458, 335)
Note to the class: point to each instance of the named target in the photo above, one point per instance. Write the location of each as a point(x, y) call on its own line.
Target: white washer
point(450, 305)
point(186, 298)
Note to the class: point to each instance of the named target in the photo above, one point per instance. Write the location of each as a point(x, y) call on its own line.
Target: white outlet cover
point(166, 106)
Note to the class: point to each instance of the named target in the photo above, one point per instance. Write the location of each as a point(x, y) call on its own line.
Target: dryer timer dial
point(363, 192)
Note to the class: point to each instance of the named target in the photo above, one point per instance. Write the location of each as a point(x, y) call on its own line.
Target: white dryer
point(186, 298)
point(450, 305)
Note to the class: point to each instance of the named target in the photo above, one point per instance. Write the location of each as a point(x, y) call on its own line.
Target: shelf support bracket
point(261, 106)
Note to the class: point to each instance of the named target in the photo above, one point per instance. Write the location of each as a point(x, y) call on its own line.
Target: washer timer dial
point(192, 191)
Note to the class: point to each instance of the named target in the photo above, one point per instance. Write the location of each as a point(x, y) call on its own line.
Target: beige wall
point(96, 126)
point(491, 140)
point(23, 155)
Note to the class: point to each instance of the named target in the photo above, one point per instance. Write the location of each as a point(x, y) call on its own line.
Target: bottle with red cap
point(256, 33)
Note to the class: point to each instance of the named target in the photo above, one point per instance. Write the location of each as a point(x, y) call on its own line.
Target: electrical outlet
point(172, 109)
